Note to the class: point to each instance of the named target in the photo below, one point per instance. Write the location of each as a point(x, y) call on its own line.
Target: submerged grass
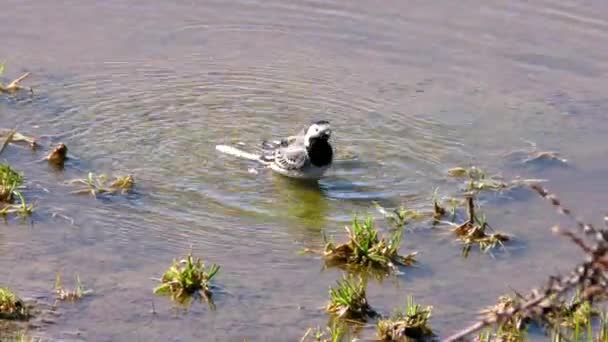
point(401, 216)
point(348, 300)
point(11, 306)
point(366, 248)
point(186, 279)
point(478, 180)
point(69, 295)
point(99, 185)
point(413, 323)
point(333, 333)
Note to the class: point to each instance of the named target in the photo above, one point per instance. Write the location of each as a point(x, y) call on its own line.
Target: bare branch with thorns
point(589, 277)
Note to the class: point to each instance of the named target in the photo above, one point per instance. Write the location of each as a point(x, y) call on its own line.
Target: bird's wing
point(292, 157)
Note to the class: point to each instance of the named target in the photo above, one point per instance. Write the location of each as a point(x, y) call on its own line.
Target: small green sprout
point(98, 185)
point(333, 333)
point(69, 295)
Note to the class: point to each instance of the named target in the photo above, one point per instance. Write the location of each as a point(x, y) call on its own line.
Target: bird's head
point(319, 130)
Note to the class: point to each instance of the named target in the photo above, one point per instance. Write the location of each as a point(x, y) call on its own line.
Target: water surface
point(412, 88)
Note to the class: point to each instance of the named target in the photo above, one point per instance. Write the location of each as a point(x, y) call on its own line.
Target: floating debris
point(348, 300)
point(98, 185)
point(186, 279)
point(11, 306)
point(545, 156)
point(365, 248)
point(70, 295)
point(58, 156)
point(533, 156)
point(14, 86)
point(413, 323)
point(12, 136)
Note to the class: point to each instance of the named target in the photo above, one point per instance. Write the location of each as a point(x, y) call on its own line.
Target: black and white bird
point(306, 155)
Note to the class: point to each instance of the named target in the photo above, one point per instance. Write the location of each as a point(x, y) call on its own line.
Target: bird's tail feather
point(233, 151)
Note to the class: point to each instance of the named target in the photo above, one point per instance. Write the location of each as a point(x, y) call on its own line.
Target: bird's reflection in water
point(302, 200)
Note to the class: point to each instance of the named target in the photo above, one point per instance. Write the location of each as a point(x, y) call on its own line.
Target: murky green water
point(411, 88)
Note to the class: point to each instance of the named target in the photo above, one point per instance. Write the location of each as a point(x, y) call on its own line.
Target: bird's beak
point(326, 133)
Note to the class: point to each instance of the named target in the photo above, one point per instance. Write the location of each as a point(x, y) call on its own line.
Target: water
point(411, 89)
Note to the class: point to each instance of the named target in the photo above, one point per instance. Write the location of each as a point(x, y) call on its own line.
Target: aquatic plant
point(603, 326)
point(401, 216)
point(98, 185)
point(448, 206)
point(69, 295)
point(473, 231)
point(22, 209)
point(366, 248)
point(587, 278)
point(348, 300)
point(333, 333)
point(574, 314)
point(9, 181)
point(413, 323)
point(512, 329)
point(11, 306)
point(188, 278)
point(478, 180)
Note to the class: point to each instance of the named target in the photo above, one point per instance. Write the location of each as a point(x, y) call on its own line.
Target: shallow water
point(411, 89)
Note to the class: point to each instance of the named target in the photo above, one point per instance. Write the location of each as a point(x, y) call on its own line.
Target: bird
point(306, 155)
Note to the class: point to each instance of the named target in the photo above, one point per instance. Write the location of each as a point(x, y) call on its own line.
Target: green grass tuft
point(188, 278)
point(348, 300)
point(413, 323)
point(9, 181)
point(11, 306)
point(366, 248)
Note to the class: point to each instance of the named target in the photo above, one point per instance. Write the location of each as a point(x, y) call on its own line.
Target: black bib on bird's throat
point(320, 152)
